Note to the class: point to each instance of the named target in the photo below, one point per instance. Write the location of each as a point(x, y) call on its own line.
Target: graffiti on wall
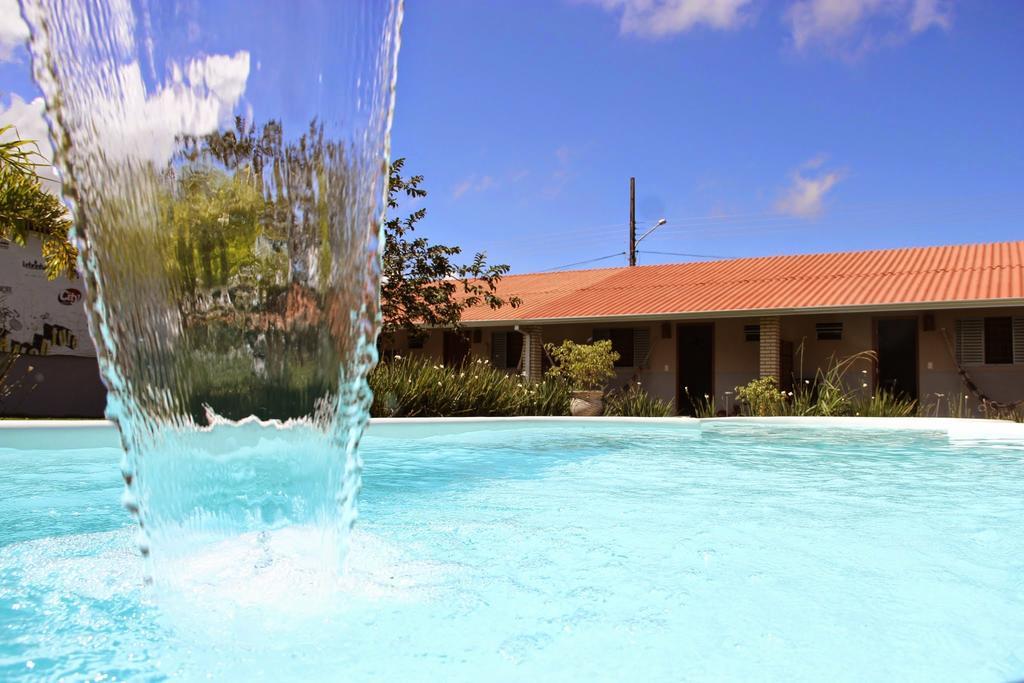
point(39, 317)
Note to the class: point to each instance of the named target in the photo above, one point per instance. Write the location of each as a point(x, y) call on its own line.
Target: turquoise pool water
point(569, 551)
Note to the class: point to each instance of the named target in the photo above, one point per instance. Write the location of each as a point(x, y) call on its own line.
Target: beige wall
point(938, 371)
point(736, 360)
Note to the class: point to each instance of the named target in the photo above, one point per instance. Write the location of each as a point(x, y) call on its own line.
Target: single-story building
point(930, 315)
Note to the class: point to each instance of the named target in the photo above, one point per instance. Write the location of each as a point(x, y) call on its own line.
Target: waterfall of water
point(225, 164)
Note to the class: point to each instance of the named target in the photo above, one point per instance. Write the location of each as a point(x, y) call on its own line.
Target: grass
point(418, 387)
point(836, 391)
point(635, 402)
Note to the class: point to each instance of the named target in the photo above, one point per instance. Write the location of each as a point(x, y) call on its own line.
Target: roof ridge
point(825, 276)
point(856, 252)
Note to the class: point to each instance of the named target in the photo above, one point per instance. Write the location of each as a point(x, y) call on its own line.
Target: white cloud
point(462, 188)
point(928, 13)
point(474, 183)
point(806, 195)
point(29, 123)
point(113, 111)
point(13, 30)
point(659, 18)
point(141, 125)
point(855, 26)
point(562, 173)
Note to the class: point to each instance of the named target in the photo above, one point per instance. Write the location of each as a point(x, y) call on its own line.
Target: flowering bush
point(584, 367)
point(762, 397)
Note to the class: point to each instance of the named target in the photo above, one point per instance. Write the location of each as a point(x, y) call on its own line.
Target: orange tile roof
point(873, 280)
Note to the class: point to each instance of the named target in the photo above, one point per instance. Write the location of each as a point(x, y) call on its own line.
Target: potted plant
point(585, 368)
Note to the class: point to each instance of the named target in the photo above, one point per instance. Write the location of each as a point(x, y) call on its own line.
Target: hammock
point(972, 387)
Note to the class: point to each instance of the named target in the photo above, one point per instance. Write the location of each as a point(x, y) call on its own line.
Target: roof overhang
point(755, 313)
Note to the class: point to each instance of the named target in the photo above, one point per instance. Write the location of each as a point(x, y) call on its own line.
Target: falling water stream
point(225, 162)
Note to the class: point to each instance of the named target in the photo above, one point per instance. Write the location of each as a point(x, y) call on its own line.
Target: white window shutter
point(1018, 340)
point(642, 347)
point(970, 341)
point(498, 340)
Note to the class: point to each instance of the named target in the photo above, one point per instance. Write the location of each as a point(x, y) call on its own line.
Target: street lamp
point(634, 242)
point(661, 222)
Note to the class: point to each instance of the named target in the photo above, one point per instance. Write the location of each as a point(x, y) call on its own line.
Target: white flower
point(397, 357)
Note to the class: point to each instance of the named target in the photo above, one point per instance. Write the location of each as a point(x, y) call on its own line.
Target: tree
point(422, 285)
point(25, 207)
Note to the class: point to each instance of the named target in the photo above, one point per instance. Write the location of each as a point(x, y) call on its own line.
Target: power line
point(677, 253)
point(593, 260)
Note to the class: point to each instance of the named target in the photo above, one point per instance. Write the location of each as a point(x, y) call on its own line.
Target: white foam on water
point(280, 575)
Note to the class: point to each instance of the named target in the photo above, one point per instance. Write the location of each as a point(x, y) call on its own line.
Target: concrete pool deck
point(41, 434)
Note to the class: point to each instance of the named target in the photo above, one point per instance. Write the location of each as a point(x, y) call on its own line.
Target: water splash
point(225, 163)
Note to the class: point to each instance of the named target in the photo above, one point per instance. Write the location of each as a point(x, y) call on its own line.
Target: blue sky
point(754, 127)
point(769, 127)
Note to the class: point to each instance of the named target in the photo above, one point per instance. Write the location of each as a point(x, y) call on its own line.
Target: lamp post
point(633, 243)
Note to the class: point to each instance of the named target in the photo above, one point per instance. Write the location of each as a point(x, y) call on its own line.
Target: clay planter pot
point(586, 403)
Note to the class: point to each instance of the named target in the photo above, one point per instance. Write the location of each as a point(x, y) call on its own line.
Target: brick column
point(533, 353)
point(769, 364)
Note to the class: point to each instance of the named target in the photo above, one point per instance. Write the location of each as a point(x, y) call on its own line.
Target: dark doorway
point(897, 355)
point(695, 359)
point(456, 349)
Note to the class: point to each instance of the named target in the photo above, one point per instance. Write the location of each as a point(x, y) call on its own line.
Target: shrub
point(635, 402)
point(417, 387)
point(884, 403)
point(763, 398)
point(583, 366)
point(12, 380)
point(829, 395)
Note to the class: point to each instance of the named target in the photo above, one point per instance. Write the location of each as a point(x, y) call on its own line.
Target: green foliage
point(422, 285)
point(18, 154)
point(635, 402)
point(957, 405)
point(11, 379)
point(884, 403)
point(418, 387)
point(837, 390)
point(763, 398)
point(216, 219)
point(26, 208)
point(584, 367)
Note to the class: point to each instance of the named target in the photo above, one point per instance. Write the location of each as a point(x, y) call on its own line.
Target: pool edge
point(102, 433)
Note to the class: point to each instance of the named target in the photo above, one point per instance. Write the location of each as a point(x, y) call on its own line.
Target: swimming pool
point(556, 550)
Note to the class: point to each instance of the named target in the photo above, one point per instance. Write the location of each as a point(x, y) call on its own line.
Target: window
point(970, 344)
point(506, 349)
point(632, 344)
point(752, 333)
point(829, 331)
point(998, 340)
